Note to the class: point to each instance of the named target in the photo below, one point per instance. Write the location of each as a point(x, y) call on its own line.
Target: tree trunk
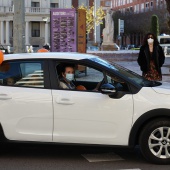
point(168, 8)
point(168, 5)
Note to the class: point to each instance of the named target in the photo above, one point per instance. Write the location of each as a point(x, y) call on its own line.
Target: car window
point(20, 73)
point(88, 74)
point(89, 79)
point(95, 77)
point(128, 74)
point(85, 78)
point(119, 84)
point(165, 41)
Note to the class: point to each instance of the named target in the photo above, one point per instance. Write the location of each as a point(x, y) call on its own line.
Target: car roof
point(47, 55)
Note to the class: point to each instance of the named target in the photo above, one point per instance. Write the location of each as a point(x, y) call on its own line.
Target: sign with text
point(63, 30)
point(121, 26)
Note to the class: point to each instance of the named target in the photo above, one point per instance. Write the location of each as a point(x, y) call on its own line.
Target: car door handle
point(65, 101)
point(5, 97)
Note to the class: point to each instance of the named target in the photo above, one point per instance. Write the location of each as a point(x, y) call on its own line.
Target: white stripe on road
point(129, 169)
point(102, 157)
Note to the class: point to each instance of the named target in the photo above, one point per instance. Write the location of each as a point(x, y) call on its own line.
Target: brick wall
point(135, 3)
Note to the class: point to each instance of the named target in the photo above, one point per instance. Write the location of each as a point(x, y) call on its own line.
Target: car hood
point(162, 89)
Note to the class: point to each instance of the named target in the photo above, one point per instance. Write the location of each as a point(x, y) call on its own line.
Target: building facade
point(137, 16)
point(37, 21)
point(137, 6)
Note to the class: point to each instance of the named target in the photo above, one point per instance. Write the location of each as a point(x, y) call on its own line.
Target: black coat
point(145, 56)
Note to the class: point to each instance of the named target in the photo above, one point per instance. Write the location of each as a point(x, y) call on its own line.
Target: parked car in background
point(125, 110)
point(4, 50)
point(123, 47)
point(164, 41)
point(132, 47)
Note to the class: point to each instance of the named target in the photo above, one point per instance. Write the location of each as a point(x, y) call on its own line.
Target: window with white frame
point(114, 4)
point(54, 5)
point(127, 9)
point(136, 8)
point(108, 3)
point(118, 3)
point(147, 4)
point(123, 10)
point(151, 4)
point(131, 9)
point(35, 4)
point(35, 29)
point(142, 7)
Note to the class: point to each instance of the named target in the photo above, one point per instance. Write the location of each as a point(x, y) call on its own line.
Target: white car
point(164, 41)
point(127, 110)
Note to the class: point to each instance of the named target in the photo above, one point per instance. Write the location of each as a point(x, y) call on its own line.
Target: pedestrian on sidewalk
point(151, 58)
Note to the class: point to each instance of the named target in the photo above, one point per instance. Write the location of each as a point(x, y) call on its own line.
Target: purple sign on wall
point(63, 30)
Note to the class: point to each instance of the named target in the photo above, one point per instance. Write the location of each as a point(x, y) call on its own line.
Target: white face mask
point(70, 77)
point(150, 40)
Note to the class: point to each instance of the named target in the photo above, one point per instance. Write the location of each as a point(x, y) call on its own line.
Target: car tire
point(154, 141)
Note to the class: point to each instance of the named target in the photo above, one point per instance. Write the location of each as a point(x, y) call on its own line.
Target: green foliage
point(154, 25)
point(140, 23)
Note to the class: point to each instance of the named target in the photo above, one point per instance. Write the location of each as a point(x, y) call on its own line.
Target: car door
point(90, 117)
point(26, 105)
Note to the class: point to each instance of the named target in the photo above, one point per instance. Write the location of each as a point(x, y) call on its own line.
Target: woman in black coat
point(151, 58)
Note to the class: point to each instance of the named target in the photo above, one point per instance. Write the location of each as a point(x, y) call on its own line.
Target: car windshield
point(127, 73)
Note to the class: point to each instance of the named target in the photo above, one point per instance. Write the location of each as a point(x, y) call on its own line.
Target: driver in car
point(66, 77)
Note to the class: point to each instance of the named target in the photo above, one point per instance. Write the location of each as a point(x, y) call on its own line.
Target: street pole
point(95, 6)
point(19, 26)
point(96, 26)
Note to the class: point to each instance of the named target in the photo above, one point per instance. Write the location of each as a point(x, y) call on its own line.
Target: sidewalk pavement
point(133, 65)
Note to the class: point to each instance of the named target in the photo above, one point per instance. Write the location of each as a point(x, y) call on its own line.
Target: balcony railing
point(5, 9)
point(35, 10)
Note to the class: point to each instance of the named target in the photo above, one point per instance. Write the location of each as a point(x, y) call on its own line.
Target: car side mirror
point(108, 89)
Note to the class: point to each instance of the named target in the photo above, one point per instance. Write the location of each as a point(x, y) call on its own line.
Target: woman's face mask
point(150, 40)
point(69, 77)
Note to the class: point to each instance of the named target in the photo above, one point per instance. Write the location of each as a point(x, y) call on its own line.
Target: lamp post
point(94, 14)
point(96, 26)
